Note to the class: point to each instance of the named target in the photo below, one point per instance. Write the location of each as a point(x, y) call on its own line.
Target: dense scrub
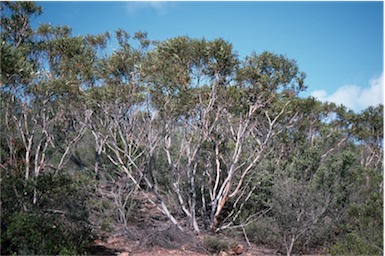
point(56, 224)
point(211, 141)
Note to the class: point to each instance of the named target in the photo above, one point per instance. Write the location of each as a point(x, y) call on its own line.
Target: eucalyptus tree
point(17, 69)
point(219, 116)
point(16, 62)
point(267, 84)
point(184, 76)
point(121, 117)
point(369, 133)
point(44, 75)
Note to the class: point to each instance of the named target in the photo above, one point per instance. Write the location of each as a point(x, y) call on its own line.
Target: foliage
point(17, 61)
point(57, 225)
point(363, 233)
point(215, 244)
point(260, 232)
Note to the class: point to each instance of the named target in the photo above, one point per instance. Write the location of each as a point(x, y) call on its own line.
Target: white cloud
point(135, 8)
point(374, 94)
point(355, 97)
point(319, 94)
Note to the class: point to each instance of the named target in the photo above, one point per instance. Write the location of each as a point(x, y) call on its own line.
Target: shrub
point(263, 231)
point(30, 233)
point(365, 232)
point(355, 243)
point(55, 224)
point(215, 245)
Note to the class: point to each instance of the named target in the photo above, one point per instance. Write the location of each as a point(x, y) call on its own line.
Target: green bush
point(355, 243)
point(33, 234)
point(365, 231)
point(56, 224)
point(215, 245)
point(263, 231)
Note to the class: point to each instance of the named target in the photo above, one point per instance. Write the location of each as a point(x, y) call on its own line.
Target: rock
point(238, 249)
point(98, 242)
point(124, 254)
point(223, 253)
point(113, 240)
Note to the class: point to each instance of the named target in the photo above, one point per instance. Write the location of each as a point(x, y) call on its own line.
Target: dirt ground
point(121, 246)
point(154, 235)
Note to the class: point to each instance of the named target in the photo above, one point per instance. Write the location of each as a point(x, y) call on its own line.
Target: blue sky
point(339, 45)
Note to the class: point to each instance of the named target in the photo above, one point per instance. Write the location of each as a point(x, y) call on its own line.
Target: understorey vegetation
point(92, 142)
